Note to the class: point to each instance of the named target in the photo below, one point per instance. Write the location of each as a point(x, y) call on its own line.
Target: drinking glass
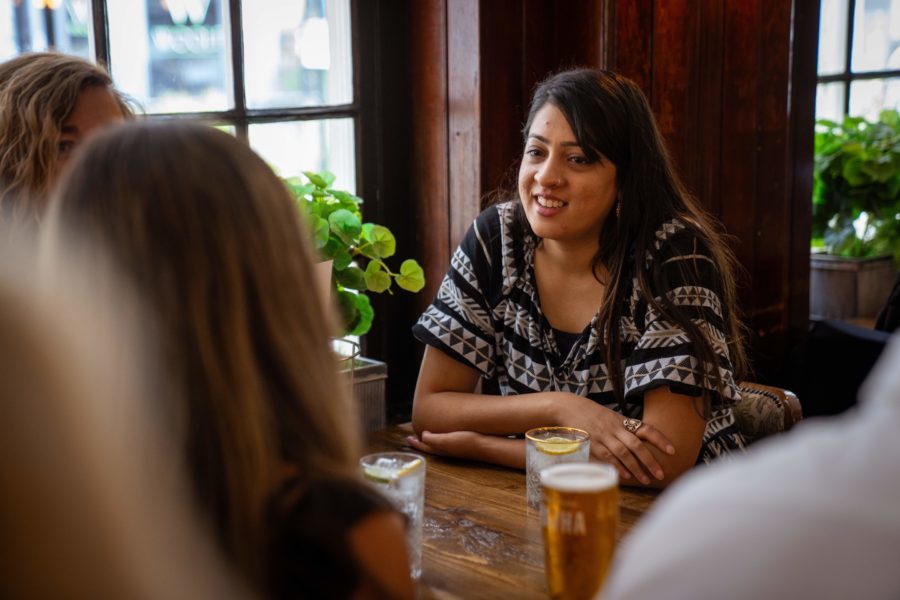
point(400, 476)
point(579, 517)
point(546, 446)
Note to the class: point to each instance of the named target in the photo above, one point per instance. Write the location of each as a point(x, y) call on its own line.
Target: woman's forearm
point(440, 412)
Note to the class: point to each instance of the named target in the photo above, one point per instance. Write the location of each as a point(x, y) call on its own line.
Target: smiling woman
point(49, 103)
point(599, 295)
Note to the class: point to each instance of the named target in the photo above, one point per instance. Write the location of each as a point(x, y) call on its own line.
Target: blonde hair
point(94, 505)
point(37, 94)
point(213, 241)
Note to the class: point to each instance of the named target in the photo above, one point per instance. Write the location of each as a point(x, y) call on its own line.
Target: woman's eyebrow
point(541, 138)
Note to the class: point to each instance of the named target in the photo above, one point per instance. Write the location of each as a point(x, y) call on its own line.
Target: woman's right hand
point(611, 442)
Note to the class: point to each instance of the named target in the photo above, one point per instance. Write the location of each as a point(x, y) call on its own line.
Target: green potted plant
point(856, 215)
point(355, 260)
point(357, 250)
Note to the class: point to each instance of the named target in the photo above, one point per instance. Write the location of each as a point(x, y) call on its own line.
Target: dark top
point(310, 554)
point(487, 314)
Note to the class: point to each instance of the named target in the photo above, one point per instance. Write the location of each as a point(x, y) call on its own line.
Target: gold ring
point(632, 425)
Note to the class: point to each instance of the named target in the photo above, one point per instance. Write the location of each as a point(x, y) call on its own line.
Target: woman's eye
point(579, 160)
point(66, 147)
point(533, 152)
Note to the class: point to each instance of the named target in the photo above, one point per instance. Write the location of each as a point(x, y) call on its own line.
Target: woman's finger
point(643, 454)
point(419, 445)
point(599, 452)
point(624, 454)
point(653, 435)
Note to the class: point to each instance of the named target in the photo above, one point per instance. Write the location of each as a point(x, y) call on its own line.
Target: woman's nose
point(548, 175)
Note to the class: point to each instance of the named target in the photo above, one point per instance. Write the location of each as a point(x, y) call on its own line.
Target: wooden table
point(480, 538)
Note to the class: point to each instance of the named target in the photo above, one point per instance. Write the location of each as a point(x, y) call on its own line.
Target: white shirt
point(810, 514)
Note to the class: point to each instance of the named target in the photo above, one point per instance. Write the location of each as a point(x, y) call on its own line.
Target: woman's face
point(566, 198)
point(96, 107)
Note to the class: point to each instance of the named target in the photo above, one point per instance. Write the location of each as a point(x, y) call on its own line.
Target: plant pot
point(848, 288)
point(368, 378)
point(369, 381)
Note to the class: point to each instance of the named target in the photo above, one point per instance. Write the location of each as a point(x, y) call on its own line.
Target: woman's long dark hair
point(610, 116)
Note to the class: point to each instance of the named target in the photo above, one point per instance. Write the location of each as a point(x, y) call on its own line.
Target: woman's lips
point(548, 205)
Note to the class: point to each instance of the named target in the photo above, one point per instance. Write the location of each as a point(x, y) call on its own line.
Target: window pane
point(297, 146)
point(832, 36)
point(876, 33)
point(869, 97)
point(830, 101)
point(171, 56)
point(297, 53)
point(29, 26)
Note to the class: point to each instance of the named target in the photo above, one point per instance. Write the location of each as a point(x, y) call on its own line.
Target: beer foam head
point(580, 477)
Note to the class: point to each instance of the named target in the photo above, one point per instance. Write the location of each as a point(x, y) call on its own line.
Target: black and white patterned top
point(487, 315)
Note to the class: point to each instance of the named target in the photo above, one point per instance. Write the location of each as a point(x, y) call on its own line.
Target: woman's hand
point(611, 442)
point(496, 449)
point(457, 444)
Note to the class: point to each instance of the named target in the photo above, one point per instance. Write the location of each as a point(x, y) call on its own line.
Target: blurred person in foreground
point(213, 241)
point(49, 104)
point(94, 505)
point(813, 514)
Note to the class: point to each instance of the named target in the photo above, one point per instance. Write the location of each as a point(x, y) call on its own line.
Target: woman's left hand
point(458, 444)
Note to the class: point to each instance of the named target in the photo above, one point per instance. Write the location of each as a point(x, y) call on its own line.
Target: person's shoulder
point(677, 240)
point(343, 501)
point(495, 217)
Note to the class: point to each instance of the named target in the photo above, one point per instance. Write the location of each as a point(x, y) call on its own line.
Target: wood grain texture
point(464, 115)
point(431, 170)
point(480, 538)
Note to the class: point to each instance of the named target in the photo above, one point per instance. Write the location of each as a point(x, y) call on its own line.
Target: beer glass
point(400, 476)
point(547, 446)
point(579, 516)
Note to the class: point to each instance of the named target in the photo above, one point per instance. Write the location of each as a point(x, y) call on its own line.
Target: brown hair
point(610, 116)
point(92, 492)
point(213, 240)
point(37, 93)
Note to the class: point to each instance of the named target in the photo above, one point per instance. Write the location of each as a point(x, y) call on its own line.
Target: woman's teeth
point(547, 203)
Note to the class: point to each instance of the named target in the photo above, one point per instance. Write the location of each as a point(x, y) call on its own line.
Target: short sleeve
point(459, 320)
point(683, 276)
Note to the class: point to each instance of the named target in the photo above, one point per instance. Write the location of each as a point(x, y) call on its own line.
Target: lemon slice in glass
point(557, 445)
point(382, 475)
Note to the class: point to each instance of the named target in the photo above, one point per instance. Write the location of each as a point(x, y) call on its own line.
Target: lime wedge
point(382, 475)
point(557, 445)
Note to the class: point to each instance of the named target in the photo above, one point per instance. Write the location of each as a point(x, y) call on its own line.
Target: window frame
point(848, 76)
point(240, 117)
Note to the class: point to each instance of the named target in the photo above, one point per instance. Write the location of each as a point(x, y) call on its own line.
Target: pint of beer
point(579, 515)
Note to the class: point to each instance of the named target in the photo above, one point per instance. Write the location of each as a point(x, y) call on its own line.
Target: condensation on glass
point(40, 25)
point(172, 56)
point(297, 146)
point(297, 53)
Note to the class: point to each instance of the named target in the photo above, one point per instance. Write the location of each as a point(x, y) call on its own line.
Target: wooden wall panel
point(464, 114)
point(430, 173)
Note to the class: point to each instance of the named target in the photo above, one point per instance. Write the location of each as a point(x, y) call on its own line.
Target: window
point(859, 58)
point(277, 73)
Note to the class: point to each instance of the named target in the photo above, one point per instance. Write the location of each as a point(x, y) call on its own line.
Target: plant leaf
point(316, 179)
point(350, 317)
point(351, 278)
point(411, 277)
point(377, 280)
point(382, 240)
point(345, 225)
point(321, 231)
point(366, 315)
